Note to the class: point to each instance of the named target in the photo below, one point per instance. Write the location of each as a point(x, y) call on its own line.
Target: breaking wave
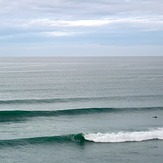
point(135, 136)
point(81, 138)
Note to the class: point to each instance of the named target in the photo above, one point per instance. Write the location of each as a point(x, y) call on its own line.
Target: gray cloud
point(71, 8)
point(66, 18)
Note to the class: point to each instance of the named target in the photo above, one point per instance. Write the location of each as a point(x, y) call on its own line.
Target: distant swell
point(36, 101)
point(48, 100)
point(81, 138)
point(125, 136)
point(16, 115)
point(77, 99)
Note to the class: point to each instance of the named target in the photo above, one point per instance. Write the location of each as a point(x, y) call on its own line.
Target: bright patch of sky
point(81, 27)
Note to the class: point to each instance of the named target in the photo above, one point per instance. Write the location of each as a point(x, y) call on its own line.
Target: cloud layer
point(93, 22)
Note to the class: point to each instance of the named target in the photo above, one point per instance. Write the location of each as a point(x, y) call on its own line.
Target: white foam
point(126, 136)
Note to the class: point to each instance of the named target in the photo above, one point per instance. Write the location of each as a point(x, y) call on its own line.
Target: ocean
point(81, 110)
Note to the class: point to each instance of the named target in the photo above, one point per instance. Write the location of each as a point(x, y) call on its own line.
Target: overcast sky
point(81, 27)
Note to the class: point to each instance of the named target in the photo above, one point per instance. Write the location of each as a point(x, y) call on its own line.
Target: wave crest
point(125, 136)
point(18, 115)
point(76, 138)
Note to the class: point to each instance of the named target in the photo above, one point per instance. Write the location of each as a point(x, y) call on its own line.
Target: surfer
point(155, 116)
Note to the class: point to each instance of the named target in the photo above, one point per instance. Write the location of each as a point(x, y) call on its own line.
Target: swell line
point(48, 100)
point(77, 99)
point(18, 115)
point(77, 138)
point(35, 101)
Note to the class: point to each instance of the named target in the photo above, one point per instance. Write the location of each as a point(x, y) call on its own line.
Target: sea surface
point(81, 110)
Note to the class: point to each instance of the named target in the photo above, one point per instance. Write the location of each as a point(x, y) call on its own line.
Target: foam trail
point(125, 136)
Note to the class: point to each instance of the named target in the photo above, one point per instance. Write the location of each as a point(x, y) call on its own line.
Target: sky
point(81, 28)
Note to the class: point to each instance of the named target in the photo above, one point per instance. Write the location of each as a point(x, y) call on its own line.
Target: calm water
point(81, 110)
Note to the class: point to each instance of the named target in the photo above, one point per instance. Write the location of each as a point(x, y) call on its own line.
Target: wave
point(81, 138)
point(49, 100)
point(39, 101)
point(17, 115)
point(135, 136)
point(77, 138)
point(77, 99)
